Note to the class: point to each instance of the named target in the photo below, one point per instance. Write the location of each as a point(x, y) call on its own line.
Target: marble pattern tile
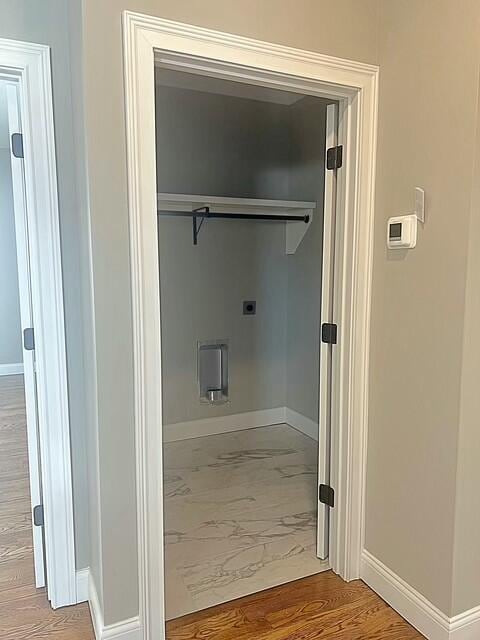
point(240, 515)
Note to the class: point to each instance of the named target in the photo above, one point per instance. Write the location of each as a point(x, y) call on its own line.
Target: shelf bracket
point(201, 212)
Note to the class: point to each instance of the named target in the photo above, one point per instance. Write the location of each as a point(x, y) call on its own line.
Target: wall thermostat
point(402, 232)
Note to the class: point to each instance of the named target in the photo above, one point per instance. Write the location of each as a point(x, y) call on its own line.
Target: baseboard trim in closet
point(301, 423)
point(14, 369)
point(223, 424)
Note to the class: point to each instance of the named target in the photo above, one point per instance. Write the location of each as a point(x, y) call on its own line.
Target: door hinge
point(17, 145)
point(329, 333)
point(29, 339)
point(326, 495)
point(335, 157)
point(38, 516)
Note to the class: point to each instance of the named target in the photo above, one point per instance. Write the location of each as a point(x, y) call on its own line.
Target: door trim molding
point(28, 65)
point(148, 39)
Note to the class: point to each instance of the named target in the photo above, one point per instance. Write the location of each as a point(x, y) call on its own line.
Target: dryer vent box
point(213, 371)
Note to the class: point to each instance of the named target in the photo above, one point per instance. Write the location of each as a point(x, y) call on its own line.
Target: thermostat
point(402, 232)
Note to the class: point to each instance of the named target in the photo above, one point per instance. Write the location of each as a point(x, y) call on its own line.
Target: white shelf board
point(172, 202)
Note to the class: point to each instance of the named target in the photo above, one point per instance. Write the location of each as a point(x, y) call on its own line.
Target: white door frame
point(26, 321)
point(149, 39)
point(327, 315)
point(28, 65)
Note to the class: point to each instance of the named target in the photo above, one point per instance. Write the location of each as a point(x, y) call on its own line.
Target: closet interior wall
point(224, 145)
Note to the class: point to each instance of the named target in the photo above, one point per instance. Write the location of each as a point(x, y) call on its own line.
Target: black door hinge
point(335, 157)
point(17, 145)
point(38, 516)
point(329, 333)
point(29, 339)
point(326, 495)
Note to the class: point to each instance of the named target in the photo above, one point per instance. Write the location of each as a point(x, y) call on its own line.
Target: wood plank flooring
point(24, 610)
point(318, 607)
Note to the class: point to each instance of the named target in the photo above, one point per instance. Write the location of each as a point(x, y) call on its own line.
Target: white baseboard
point(239, 422)
point(223, 424)
point(129, 629)
point(11, 369)
point(301, 423)
point(466, 626)
point(124, 630)
point(415, 608)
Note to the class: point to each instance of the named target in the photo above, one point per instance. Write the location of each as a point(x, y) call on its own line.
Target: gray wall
point(305, 266)
point(47, 23)
point(428, 49)
point(219, 145)
point(215, 144)
point(202, 289)
point(10, 331)
point(466, 559)
point(93, 523)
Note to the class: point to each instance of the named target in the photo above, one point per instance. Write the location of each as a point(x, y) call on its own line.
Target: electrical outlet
point(249, 307)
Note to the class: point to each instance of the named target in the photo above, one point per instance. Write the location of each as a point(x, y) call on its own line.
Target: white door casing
point(149, 40)
point(28, 66)
point(26, 317)
point(326, 316)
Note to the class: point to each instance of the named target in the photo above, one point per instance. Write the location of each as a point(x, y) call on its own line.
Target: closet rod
point(204, 212)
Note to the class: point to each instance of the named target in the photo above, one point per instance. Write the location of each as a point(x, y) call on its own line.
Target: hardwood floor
point(24, 610)
point(320, 606)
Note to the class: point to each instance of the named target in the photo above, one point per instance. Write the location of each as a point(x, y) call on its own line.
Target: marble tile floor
point(240, 515)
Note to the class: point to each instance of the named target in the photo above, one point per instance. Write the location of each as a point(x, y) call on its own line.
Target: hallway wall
point(429, 54)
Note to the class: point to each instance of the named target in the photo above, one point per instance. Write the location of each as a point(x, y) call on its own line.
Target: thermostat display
point(395, 232)
point(402, 232)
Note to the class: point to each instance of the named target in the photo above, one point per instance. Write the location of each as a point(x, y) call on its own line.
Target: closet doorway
point(246, 233)
point(149, 43)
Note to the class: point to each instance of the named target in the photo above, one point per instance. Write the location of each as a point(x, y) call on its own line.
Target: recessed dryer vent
point(212, 360)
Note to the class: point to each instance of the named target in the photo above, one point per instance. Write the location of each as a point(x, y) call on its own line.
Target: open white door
point(24, 282)
point(328, 331)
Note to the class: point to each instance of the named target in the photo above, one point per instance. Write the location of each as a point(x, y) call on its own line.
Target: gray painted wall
point(10, 331)
point(202, 289)
point(93, 524)
point(215, 144)
point(47, 23)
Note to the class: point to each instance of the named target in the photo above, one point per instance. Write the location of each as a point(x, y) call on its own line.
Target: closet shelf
point(296, 214)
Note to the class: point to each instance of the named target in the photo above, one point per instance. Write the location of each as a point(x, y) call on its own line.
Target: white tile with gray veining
point(240, 515)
